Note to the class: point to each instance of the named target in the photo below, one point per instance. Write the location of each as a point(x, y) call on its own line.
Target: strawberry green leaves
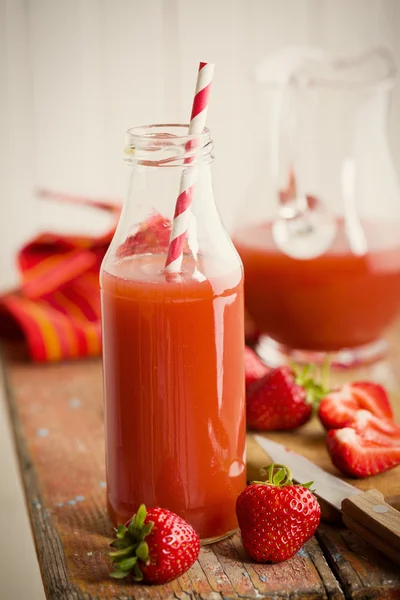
point(279, 476)
point(131, 547)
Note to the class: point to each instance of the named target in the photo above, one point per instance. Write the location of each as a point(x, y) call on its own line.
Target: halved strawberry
point(253, 366)
point(371, 427)
point(341, 404)
point(357, 456)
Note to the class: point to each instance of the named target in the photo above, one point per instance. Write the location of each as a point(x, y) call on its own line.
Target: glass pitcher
point(320, 237)
point(173, 344)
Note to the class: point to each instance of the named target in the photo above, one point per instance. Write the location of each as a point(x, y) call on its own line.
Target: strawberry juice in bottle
point(173, 345)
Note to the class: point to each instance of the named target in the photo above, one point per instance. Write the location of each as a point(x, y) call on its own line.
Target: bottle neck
point(164, 165)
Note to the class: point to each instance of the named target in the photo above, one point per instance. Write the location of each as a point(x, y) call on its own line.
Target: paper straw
point(189, 176)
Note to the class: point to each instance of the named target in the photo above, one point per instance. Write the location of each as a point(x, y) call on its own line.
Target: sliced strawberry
point(371, 427)
point(337, 408)
point(151, 237)
point(372, 397)
point(356, 456)
point(253, 366)
point(340, 405)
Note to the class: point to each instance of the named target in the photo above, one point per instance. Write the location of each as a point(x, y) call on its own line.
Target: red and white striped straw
point(189, 176)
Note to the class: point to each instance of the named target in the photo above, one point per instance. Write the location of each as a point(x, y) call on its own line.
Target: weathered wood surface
point(57, 417)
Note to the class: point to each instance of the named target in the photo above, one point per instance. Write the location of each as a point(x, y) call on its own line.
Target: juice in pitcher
point(336, 300)
point(173, 348)
point(319, 234)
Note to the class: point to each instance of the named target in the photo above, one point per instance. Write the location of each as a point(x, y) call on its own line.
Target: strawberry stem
point(325, 372)
point(131, 547)
point(279, 476)
point(315, 384)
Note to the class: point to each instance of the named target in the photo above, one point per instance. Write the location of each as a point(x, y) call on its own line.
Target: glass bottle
point(320, 234)
point(173, 344)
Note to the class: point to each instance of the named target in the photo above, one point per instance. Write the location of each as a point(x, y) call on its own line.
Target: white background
point(75, 75)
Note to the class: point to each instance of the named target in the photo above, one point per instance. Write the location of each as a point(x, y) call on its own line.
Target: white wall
point(75, 75)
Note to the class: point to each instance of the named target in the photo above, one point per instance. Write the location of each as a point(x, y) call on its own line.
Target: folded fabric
point(57, 307)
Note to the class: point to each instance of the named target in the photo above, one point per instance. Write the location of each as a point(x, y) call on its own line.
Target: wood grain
point(363, 573)
point(57, 418)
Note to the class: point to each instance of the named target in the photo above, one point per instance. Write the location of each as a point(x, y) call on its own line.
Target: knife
point(366, 513)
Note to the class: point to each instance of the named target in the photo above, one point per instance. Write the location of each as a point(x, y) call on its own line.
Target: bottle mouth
point(167, 145)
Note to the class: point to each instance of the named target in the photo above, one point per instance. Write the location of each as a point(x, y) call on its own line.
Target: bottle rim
point(167, 144)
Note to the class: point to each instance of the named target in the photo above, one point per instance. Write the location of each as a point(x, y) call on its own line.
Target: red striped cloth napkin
point(57, 308)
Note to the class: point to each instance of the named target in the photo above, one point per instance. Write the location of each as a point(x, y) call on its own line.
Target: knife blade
point(366, 513)
point(328, 487)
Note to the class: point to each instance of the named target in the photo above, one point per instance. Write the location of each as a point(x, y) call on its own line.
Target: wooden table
point(57, 418)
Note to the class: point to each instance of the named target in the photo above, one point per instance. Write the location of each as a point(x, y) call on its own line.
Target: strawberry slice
point(151, 237)
point(340, 405)
point(253, 366)
point(371, 427)
point(356, 456)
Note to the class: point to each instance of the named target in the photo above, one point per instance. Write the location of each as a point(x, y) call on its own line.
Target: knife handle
point(374, 520)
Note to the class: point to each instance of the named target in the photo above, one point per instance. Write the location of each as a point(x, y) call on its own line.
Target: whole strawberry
point(254, 368)
point(155, 546)
point(276, 517)
point(282, 399)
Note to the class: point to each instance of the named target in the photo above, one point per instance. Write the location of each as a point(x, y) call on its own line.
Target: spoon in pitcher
point(303, 229)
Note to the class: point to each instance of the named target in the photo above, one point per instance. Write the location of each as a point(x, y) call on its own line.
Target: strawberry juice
point(337, 300)
point(174, 388)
